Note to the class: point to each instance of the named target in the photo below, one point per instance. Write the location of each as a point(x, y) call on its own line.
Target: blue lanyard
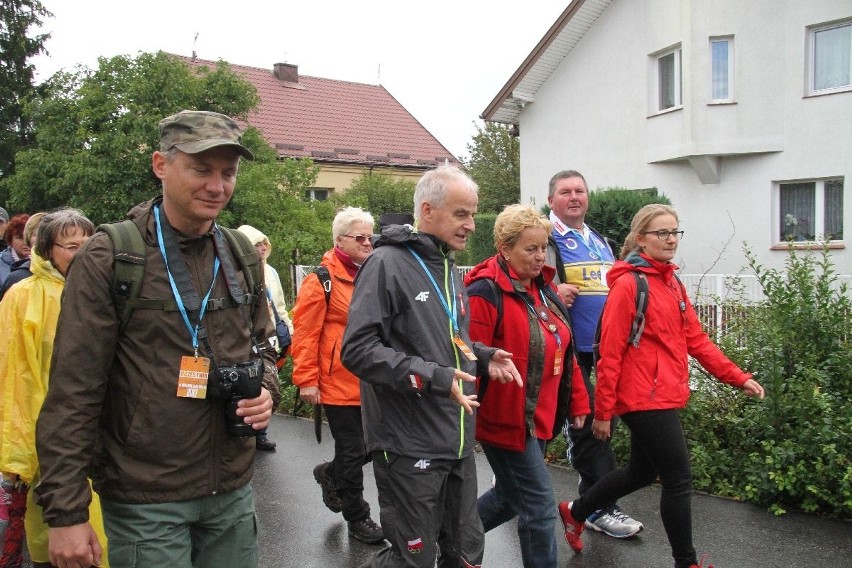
point(193, 330)
point(451, 312)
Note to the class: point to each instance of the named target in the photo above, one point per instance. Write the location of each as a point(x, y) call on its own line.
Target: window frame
point(729, 69)
point(810, 83)
point(784, 230)
point(677, 73)
point(311, 193)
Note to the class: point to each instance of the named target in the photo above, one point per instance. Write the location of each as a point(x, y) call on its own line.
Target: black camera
point(234, 383)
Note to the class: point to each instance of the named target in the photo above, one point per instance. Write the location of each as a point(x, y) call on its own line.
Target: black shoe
point(366, 530)
point(262, 442)
point(329, 491)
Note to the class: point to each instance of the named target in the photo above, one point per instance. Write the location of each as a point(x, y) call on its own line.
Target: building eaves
point(538, 66)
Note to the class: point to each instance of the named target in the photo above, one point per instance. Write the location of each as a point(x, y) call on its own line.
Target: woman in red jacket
point(318, 322)
point(648, 384)
point(514, 306)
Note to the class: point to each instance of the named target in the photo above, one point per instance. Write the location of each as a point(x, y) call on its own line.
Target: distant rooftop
point(335, 121)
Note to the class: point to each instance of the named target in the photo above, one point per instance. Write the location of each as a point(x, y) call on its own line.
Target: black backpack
point(638, 325)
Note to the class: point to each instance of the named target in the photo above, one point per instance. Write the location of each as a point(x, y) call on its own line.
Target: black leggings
point(657, 447)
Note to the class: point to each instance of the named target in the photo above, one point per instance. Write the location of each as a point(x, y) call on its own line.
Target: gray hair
point(432, 186)
point(346, 218)
point(57, 223)
point(564, 174)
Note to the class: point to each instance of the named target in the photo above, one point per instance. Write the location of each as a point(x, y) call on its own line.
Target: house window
point(317, 193)
point(830, 57)
point(721, 69)
point(811, 210)
point(668, 79)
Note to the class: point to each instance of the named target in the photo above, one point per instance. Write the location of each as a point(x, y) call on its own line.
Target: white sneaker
point(617, 524)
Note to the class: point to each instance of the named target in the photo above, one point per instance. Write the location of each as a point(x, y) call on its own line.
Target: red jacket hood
point(639, 262)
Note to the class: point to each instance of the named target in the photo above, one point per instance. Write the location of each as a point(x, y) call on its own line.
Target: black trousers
point(591, 457)
point(350, 455)
point(657, 448)
point(426, 504)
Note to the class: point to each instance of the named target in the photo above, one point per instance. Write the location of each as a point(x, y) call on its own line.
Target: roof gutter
point(507, 91)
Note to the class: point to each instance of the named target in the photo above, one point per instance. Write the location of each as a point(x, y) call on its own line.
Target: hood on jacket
point(401, 235)
point(42, 268)
point(256, 237)
point(638, 262)
point(492, 269)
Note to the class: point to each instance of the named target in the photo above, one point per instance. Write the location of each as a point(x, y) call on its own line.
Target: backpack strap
point(129, 266)
point(638, 325)
point(325, 281)
point(248, 260)
point(129, 270)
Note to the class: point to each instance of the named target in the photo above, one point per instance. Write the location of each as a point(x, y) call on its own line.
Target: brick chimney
point(286, 72)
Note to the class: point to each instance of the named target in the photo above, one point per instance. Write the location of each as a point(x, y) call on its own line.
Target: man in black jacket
point(407, 339)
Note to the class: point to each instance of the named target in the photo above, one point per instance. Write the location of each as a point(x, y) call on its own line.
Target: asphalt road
point(296, 530)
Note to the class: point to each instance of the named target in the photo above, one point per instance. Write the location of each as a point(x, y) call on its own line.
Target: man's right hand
point(567, 292)
point(76, 546)
point(466, 401)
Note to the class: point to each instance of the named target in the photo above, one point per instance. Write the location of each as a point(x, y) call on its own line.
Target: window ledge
point(812, 245)
point(721, 103)
point(814, 94)
point(666, 111)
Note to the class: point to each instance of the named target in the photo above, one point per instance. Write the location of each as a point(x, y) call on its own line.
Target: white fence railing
point(702, 288)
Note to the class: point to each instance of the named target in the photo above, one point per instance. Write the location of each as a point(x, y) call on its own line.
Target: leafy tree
point(268, 196)
point(16, 75)
point(378, 193)
point(96, 131)
point(495, 164)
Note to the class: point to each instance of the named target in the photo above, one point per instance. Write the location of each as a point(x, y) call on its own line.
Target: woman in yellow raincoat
point(28, 316)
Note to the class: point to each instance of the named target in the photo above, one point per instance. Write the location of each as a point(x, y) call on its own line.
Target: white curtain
point(719, 63)
point(832, 53)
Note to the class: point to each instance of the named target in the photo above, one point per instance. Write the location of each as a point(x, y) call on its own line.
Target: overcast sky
point(443, 60)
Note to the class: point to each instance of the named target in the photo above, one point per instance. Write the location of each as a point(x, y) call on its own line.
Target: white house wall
point(594, 115)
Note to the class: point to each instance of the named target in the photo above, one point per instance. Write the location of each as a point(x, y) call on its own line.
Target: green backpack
point(129, 270)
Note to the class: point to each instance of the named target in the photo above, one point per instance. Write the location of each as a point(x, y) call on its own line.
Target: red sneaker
point(573, 529)
point(701, 563)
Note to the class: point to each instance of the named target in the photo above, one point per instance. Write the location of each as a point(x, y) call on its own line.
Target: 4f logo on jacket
point(423, 464)
point(422, 296)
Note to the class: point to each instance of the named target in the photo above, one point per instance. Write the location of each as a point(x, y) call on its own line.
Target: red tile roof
point(338, 121)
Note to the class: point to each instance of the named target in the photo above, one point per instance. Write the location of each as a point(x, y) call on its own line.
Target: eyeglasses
point(72, 248)
point(359, 238)
point(664, 234)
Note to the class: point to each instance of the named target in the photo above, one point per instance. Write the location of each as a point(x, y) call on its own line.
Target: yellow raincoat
point(28, 315)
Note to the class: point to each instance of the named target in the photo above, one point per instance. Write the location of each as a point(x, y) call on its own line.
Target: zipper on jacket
point(450, 299)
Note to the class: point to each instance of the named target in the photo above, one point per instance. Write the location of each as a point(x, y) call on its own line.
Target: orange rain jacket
point(318, 335)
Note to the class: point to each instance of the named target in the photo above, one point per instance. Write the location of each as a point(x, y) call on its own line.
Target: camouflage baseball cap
point(194, 131)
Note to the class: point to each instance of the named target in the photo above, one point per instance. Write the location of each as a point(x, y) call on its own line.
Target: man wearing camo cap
point(130, 406)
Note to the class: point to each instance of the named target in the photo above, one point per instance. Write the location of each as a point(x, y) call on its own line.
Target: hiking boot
point(701, 563)
point(616, 524)
point(262, 442)
point(573, 529)
point(366, 530)
point(329, 491)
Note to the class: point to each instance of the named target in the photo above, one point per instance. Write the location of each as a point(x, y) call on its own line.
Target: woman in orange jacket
point(319, 319)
